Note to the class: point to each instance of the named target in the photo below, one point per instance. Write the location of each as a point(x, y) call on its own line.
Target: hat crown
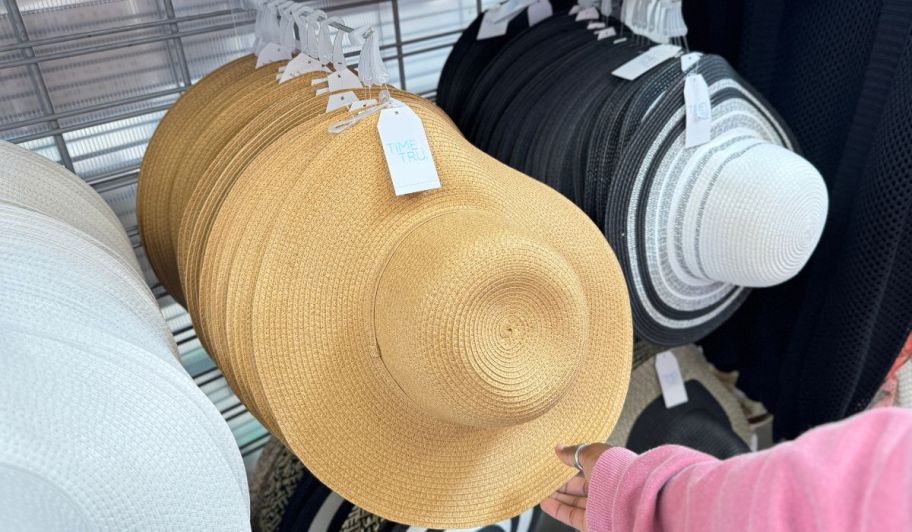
point(478, 322)
point(758, 218)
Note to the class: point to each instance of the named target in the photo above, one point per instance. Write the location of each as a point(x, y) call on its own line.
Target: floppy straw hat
point(696, 228)
point(65, 469)
point(421, 354)
point(287, 112)
point(711, 420)
point(53, 273)
point(31, 181)
point(165, 154)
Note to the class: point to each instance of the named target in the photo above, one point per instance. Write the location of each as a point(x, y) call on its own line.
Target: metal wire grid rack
point(84, 83)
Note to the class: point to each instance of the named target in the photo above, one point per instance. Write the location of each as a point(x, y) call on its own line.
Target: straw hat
point(66, 470)
point(29, 180)
point(53, 274)
point(164, 156)
point(287, 111)
point(710, 421)
point(347, 305)
point(697, 228)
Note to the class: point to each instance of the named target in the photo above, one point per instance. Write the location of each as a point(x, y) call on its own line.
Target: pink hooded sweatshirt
point(855, 475)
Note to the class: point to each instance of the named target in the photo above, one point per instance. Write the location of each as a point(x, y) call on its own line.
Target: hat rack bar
point(120, 29)
point(58, 130)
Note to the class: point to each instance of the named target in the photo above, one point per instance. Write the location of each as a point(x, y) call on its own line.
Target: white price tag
point(539, 11)
point(493, 24)
point(646, 61)
point(670, 379)
point(343, 79)
point(407, 152)
point(575, 9)
point(340, 100)
point(606, 33)
point(590, 13)
point(595, 26)
point(300, 65)
point(699, 111)
point(272, 53)
point(689, 60)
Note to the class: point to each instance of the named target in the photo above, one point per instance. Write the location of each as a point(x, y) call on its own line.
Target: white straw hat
point(31, 181)
point(53, 274)
point(698, 227)
point(103, 445)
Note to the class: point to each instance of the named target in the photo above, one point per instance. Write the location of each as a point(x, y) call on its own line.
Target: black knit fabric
point(816, 349)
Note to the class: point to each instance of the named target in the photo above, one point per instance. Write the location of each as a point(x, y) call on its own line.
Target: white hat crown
point(758, 212)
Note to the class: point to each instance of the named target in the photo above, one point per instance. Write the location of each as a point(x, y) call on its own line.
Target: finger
point(577, 485)
point(571, 500)
point(588, 456)
point(568, 515)
point(575, 517)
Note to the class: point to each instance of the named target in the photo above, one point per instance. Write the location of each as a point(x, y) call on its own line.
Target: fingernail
point(560, 447)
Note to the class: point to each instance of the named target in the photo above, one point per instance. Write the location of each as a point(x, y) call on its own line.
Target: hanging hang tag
point(340, 100)
point(343, 79)
point(646, 61)
point(407, 152)
point(590, 13)
point(300, 65)
point(539, 11)
point(689, 60)
point(699, 111)
point(596, 26)
point(272, 53)
point(511, 8)
point(492, 27)
point(575, 9)
point(670, 379)
point(326, 43)
point(606, 33)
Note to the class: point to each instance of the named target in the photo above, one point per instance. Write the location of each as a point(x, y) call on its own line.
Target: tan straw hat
point(421, 354)
point(167, 154)
point(291, 109)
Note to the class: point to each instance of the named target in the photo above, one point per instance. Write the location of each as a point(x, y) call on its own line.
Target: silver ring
point(576, 454)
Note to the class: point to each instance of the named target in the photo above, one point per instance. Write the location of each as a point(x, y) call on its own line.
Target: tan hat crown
point(478, 322)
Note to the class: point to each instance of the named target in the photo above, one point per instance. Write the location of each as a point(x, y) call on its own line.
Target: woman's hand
point(568, 503)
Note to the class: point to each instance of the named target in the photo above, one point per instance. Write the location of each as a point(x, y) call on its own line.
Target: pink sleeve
point(855, 475)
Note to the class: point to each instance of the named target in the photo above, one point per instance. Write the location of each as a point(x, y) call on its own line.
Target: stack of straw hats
point(285, 496)
point(102, 428)
point(421, 354)
point(695, 227)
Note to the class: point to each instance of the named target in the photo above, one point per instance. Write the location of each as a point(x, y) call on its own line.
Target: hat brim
point(119, 470)
point(166, 153)
point(309, 306)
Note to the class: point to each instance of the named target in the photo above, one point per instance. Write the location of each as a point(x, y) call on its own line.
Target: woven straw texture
point(164, 157)
point(82, 333)
point(409, 350)
point(35, 183)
